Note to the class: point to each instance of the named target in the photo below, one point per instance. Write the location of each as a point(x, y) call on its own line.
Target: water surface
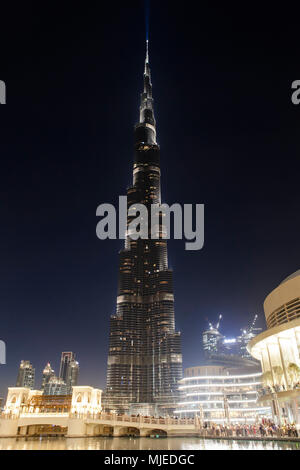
point(141, 443)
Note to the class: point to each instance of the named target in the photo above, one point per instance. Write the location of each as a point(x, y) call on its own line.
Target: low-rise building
point(221, 395)
point(31, 413)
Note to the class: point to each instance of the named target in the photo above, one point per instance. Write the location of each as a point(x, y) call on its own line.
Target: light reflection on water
point(142, 443)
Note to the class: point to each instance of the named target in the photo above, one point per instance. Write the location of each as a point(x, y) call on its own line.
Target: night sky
point(229, 137)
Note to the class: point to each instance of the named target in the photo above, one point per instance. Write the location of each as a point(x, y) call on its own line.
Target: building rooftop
point(292, 276)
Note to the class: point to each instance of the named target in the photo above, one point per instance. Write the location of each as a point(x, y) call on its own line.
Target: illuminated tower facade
point(144, 360)
point(69, 370)
point(48, 373)
point(26, 375)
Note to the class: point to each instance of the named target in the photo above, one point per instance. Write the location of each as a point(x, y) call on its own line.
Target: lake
point(141, 443)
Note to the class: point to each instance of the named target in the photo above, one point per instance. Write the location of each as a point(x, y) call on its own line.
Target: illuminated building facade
point(69, 370)
point(26, 375)
point(212, 342)
point(144, 360)
point(56, 386)
point(221, 350)
point(278, 350)
point(48, 372)
point(31, 413)
point(221, 395)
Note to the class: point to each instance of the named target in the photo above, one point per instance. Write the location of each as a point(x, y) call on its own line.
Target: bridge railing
point(44, 415)
point(9, 415)
point(137, 419)
point(114, 418)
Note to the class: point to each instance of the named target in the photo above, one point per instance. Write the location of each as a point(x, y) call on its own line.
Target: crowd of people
point(267, 428)
point(267, 390)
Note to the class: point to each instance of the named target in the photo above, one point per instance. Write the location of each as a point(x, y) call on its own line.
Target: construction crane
point(212, 327)
point(246, 336)
point(212, 338)
point(251, 328)
point(253, 325)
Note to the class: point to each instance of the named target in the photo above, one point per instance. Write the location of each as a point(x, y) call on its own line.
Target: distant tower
point(228, 351)
point(72, 378)
point(69, 370)
point(212, 339)
point(56, 386)
point(48, 372)
point(26, 375)
point(246, 336)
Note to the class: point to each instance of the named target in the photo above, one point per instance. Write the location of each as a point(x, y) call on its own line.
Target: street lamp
point(226, 409)
point(277, 409)
point(201, 415)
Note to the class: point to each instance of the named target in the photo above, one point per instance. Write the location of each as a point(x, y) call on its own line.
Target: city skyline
point(68, 372)
point(54, 269)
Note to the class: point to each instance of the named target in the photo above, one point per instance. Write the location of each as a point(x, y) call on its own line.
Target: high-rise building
point(26, 375)
point(48, 372)
point(66, 358)
point(244, 339)
point(212, 341)
point(221, 350)
point(69, 370)
point(72, 378)
point(144, 360)
point(56, 386)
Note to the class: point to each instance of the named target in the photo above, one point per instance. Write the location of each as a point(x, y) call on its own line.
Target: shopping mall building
point(278, 350)
point(221, 395)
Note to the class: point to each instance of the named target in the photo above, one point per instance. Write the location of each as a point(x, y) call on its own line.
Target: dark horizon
point(228, 133)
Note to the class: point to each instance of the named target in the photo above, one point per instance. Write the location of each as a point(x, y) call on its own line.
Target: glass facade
point(26, 375)
point(144, 360)
point(221, 395)
point(69, 370)
point(48, 373)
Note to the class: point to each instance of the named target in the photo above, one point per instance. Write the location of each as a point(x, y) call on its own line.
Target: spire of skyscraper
point(144, 360)
point(146, 106)
point(147, 51)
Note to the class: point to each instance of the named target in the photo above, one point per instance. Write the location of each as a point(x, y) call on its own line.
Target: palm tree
point(294, 372)
point(278, 373)
point(267, 378)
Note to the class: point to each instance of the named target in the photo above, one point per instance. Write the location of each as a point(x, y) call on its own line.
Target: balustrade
point(102, 416)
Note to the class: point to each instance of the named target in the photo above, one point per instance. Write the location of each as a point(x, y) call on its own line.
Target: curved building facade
point(283, 304)
point(221, 395)
point(278, 350)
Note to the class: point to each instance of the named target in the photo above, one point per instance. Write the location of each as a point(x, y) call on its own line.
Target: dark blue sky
point(229, 138)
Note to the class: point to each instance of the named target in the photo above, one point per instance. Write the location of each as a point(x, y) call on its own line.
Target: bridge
point(124, 425)
point(30, 413)
point(101, 424)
